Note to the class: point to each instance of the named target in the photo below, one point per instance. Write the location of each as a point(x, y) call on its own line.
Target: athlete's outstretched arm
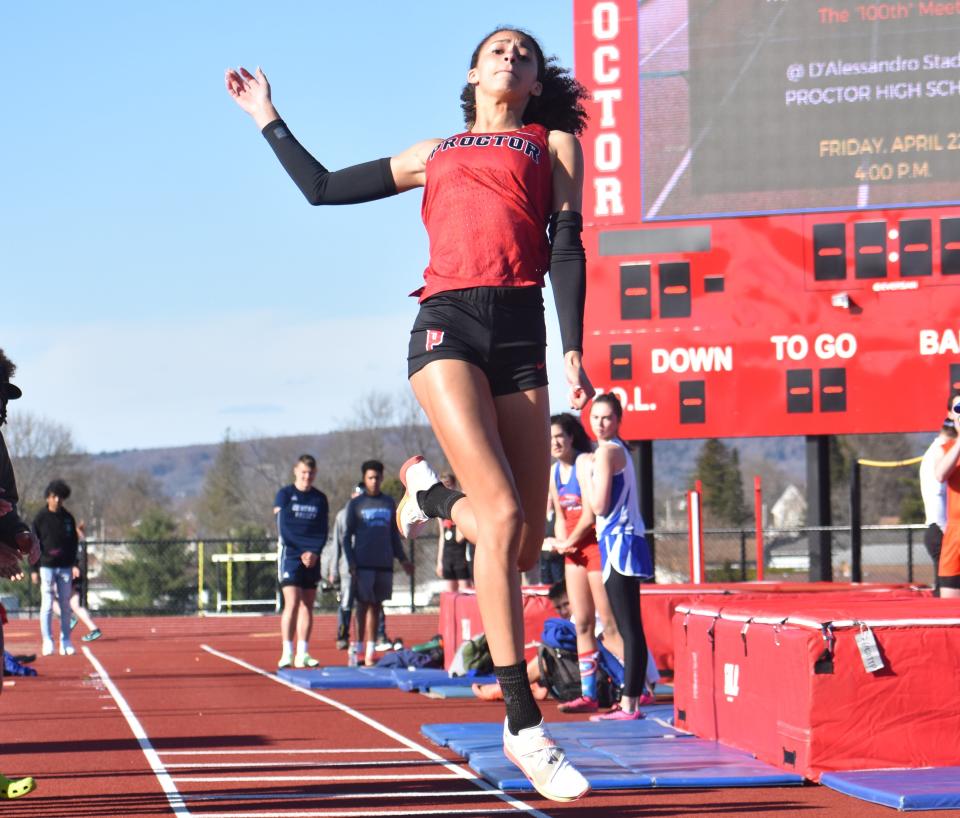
point(568, 265)
point(352, 185)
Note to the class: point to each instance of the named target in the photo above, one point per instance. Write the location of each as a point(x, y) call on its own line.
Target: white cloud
point(123, 384)
point(126, 384)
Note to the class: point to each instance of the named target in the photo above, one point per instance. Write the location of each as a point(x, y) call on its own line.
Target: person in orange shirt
point(945, 470)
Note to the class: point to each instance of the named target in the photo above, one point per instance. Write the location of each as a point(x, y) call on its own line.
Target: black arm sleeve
point(359, 183)
point(568, 276)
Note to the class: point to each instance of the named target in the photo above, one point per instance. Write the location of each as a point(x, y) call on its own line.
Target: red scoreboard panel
point(771, 213)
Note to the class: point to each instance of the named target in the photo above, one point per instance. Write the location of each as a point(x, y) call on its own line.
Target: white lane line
point(164, 779)
point(457, 770)
point(349, 814)
point(234, 765)
point(222, 779)
point(300, 795)
point(281, 752)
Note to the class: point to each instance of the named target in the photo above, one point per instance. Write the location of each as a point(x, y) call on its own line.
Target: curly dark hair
point(7, 368)
point(371, 465)
point(573, 429)
point(58, 488)
point(560, 104)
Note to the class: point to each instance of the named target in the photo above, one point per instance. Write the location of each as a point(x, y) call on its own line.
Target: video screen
point(786, 106)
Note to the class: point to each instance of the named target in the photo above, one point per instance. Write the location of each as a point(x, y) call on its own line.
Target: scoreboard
point(772, 213)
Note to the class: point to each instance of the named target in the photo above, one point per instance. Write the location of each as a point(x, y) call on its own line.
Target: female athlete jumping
point(477, 348)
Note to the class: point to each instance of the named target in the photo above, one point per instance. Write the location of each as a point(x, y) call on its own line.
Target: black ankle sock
point(522, 710)
point(438, 500)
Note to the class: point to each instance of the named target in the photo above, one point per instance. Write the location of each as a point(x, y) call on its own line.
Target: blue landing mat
point(427, 679)
point(341, 678)
point(617, 755)
point(907, 790)
point(334, 678)
point(448, 692)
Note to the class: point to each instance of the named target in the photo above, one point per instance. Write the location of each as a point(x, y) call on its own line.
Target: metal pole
point(200, 577)
point(818, 507)
point(743, 555)
point(695, 536)
point(856, 531)
point(84, 566)
point(229, 578)
point(758, 524)
point(910, 555)
point(413, 574)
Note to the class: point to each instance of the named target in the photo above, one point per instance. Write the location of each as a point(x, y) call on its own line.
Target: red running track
point(182, 717)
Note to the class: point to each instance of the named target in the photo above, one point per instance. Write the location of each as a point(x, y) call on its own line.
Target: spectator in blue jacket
point(371, 543)
point(302, 516)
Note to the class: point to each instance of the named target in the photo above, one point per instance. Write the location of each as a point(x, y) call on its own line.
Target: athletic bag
point(411, 659)
point(473, 655)
point(560, 667)
point(559, 672)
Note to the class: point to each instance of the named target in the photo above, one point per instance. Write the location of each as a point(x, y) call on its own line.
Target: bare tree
point(112, 501)
point(370, 417)
point(225, 504)
point(41, 449)
point(413, 430)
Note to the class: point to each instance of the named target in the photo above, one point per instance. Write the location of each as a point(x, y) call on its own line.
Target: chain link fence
point(177, 577)
point(889, 553)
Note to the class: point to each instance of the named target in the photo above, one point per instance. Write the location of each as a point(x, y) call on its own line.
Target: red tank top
point(485, 206)
point(571, 504)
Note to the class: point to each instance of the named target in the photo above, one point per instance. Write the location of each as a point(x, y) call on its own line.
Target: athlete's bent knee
point(501, 528)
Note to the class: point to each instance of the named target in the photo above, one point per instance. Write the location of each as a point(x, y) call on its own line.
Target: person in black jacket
point(56, 529)
point(14, 537)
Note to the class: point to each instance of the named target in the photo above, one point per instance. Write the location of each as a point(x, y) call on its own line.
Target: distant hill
point(181, 470)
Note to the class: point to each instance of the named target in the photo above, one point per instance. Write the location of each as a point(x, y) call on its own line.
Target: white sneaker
point(47, 649)
point(545, 764)
point(67, 649)
point(302, 660)
point(416, 475)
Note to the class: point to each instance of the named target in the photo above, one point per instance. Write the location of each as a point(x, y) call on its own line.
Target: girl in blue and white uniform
point(624, 555)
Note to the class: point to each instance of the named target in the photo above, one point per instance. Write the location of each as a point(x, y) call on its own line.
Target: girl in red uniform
point(453, 550)
point(477, 349)
point(576, 539)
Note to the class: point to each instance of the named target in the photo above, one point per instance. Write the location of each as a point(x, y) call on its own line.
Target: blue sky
point(161, 278)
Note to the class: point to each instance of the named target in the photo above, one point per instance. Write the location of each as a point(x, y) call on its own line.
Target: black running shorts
point(500, 330)
point(292, 571)
point(455, 565)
